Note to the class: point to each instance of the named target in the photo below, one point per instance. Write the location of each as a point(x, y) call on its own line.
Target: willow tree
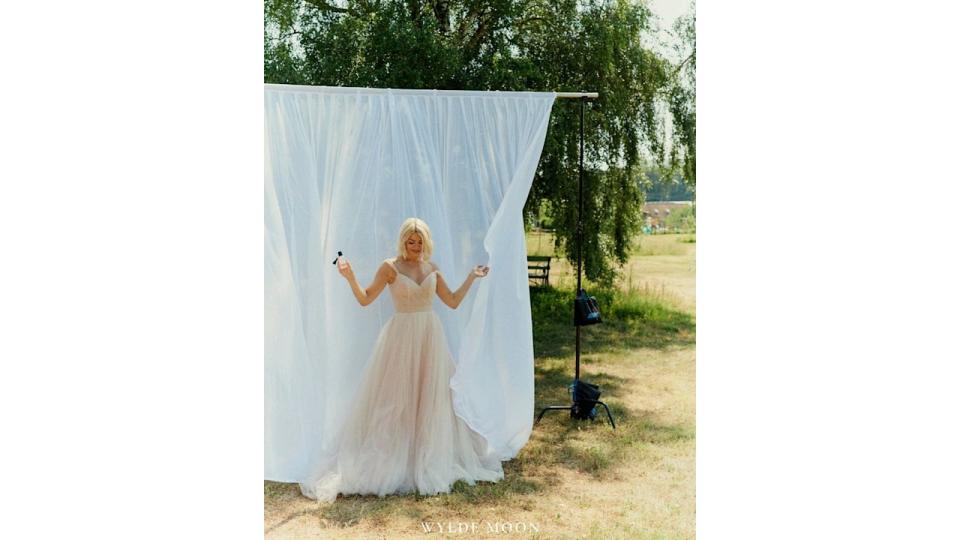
point(562, 45)
point(683, 102)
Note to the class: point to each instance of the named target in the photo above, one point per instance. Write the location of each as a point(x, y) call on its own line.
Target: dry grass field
point(572, 479)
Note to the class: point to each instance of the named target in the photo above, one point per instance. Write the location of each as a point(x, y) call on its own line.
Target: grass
point(574, 479)
point(591, 447)
point(632, 318)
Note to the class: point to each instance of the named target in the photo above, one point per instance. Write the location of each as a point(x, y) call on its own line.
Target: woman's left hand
point(480, 270)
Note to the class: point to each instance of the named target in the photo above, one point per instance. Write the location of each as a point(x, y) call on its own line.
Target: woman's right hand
point(343, 265)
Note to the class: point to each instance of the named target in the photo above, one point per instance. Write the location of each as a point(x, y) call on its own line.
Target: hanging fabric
point(343, 167)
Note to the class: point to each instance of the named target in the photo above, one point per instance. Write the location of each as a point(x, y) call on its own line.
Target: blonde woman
point(402, 434)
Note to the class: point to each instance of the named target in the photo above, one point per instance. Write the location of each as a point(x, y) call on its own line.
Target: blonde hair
point(410, 226)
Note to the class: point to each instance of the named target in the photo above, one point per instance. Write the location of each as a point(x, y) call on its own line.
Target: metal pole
point(577, 95)
point(583, 96)
point(583, 104)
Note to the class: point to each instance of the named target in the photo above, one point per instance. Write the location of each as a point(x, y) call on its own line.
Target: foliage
point(660, 188)
point(682, 219)
point(280, 61)
point(683, 100)
point(562, 45)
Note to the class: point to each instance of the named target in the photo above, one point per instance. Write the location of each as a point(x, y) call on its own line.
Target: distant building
point(656, 213)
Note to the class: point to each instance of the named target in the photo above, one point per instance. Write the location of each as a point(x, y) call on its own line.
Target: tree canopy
point(538, 45)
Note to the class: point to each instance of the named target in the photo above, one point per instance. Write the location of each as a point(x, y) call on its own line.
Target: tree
point(563, 45)
point(683, 102)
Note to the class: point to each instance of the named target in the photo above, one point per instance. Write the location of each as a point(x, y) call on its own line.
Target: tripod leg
point(610, 416)
point(550, 408)
point(595, 402)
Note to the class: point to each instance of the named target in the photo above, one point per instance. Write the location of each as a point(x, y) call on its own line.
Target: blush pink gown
point(402, 434)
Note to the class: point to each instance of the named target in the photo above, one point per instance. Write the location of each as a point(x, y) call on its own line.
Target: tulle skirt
point(402, 434)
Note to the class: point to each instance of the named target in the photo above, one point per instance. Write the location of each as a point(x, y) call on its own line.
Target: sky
point(668, 11)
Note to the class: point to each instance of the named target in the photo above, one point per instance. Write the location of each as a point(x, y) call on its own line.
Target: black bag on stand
point(585, 396)
point(586, 310)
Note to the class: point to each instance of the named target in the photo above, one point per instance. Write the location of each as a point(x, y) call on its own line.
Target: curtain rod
point(574, 95)
point(589, 95)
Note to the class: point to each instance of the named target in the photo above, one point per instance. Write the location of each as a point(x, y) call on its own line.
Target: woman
point(402, 434)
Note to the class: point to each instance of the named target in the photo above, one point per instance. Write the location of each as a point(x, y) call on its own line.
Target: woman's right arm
point(365, 296)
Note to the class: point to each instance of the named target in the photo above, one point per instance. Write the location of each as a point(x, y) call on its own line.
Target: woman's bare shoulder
point(387, 271)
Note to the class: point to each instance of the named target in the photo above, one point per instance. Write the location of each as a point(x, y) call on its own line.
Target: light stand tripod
point(581, 402)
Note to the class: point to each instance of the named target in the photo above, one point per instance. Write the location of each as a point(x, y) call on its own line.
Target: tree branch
point(284, 37)
point(685, 60)
point(467, 21)
point(323, 6)
point(413, 6)
point(441, 10)
point(524, 22)
point(488, 20)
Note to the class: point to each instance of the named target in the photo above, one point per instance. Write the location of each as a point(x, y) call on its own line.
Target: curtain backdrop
point(343, 167)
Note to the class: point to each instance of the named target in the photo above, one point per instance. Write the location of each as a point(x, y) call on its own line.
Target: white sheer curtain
point(343, 167)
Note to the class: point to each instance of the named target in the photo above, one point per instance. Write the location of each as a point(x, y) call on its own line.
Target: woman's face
point(414, 245)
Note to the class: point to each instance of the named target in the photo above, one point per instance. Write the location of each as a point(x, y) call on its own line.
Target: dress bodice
point(409, 296)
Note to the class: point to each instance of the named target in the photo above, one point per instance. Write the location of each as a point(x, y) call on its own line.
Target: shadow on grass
point(591, 446)
point(345, 512)
point(551, 384)
point(630, 321)
point(350, 510)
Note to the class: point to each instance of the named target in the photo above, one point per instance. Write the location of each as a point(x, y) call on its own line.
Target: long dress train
point(402, 434)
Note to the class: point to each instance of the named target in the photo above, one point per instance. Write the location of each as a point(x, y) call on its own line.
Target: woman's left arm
point(453, 299)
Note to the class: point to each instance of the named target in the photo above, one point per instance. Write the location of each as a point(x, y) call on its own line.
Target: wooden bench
point(538, 268)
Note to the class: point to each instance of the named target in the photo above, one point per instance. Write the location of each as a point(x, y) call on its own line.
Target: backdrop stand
point(583, 97)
